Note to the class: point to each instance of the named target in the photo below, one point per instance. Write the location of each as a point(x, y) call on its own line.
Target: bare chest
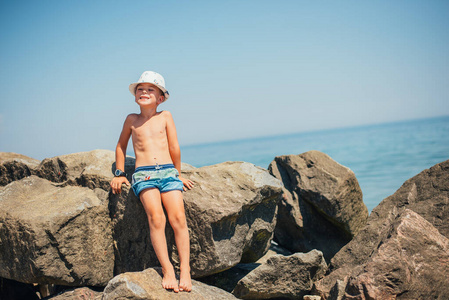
point(151, 129)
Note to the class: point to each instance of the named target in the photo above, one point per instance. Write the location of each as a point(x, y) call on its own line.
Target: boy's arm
point(175, 151)
point(120, 154)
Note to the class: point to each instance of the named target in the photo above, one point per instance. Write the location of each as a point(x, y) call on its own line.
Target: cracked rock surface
point(147, 285)
point(51, 234)
point(15, 166)
point(412, 256)
point(323, 204)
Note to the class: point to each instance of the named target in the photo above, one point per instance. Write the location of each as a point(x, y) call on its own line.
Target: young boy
point(156, 179)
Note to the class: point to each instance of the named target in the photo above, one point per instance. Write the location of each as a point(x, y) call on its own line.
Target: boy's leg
point(174, 205)
point(151, 201)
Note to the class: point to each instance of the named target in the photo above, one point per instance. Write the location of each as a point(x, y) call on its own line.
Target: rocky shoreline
point(297, 230)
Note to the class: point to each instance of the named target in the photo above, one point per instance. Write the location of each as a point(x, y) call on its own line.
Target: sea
point(382, 156)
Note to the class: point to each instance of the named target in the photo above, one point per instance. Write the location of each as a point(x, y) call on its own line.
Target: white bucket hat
point(153, 78)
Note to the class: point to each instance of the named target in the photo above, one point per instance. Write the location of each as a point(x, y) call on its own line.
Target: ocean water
point(382, 156)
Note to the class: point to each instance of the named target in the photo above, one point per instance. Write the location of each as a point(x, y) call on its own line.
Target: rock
point(228, 279)
point(232, 210)
point(311, 297)
point(322, 207)
point(57, 235)
point(273, 250)
point(410, 262)
point(147, 285)
point(338, 290)
point(15, 166)
point(427, 194)
point(289, 277)
point(83, 293)
point(93, 169)
point(231, 214)
point(186, 167)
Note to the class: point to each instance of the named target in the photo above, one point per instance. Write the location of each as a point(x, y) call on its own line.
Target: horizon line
point(252, 138)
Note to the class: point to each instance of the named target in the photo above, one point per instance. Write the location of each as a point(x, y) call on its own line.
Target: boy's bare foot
point(185, 282)
point(169, 281)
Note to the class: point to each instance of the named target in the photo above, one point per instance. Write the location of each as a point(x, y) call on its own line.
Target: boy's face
point(147, 94)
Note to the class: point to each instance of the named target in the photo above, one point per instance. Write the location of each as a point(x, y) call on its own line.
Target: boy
point(156, 179)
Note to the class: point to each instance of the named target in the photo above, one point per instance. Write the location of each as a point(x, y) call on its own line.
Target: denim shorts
point(163, 177)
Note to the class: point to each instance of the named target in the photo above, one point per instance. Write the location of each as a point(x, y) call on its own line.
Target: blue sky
point(234, 69)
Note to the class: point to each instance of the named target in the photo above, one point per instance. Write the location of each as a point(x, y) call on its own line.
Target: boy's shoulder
point(131, 117)
point(165, 113)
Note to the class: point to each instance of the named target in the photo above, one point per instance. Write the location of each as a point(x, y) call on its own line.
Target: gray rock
point(322, 207)
point(83, 293)
point(228, 279)
point(186, 167)
point(289, 277)
point(147, 285)
point(274, 249)
point(231, 214)
point(57, 235)
point(427, 194)
point(338, 290)
point(411, 262)
point(311, 297)
point(93, 169)
point(233, 211)
point(15, 166)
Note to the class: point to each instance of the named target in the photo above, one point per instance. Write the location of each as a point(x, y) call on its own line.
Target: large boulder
point(411, 261)
point(147, 285)
point(93, 169)
point(228, 279)
point(427, 194)
point(51, 234)
point(82, 293)
point(322, 206)
point(15, 166)
point(231, 214)
point(286, 277)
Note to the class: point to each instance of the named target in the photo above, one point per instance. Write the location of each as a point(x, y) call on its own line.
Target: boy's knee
point(157, 221)
point(178, 220)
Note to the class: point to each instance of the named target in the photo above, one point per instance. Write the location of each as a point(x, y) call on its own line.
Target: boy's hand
point(188, 184)
point(116, 184)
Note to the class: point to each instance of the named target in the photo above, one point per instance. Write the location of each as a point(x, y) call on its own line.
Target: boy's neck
point(148, 112)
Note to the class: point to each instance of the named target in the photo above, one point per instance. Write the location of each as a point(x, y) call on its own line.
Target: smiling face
point(147, 94)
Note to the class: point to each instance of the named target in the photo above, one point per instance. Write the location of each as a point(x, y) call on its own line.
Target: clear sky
point(234, 69)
